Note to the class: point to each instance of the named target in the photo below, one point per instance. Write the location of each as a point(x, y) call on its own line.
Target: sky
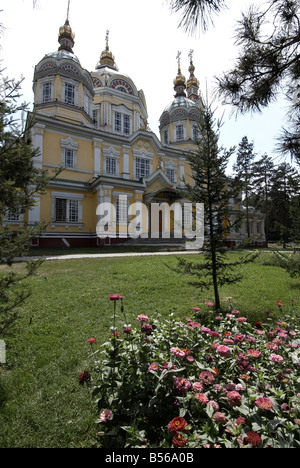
point(145, 39)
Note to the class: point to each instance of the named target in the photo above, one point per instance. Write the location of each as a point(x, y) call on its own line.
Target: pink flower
point(209, 304)
point(202, 398)
point(91, 340)
point(228, 341)
point(239, 338)
point(114, 297)
point(214, 404)
point(264, 403)
point(276, 358)
point(190, 358)
point(198, 387)
point(223, 351)
point(197, 309)
point(206, 377)
point(153, 367)
point(241, 319)
point(106, 415)
point(234, 398)
point(220, 418)
point(254, 353)
point(178, 352)
point(143, 318)
point(181, 385)
point(272, 346)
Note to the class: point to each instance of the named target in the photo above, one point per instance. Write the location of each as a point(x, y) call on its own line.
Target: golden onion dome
point(107, 58)
point(66, 37)
point(192, 79)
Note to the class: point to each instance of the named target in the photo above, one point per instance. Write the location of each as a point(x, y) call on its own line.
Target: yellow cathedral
point(94, 125)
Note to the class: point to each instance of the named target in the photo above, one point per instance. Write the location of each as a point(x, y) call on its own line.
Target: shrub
point(222, 383)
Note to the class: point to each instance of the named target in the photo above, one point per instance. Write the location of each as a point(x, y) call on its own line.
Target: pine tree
point(285, 186)
point(263, 170)
point(212, 187)
point(20, 180)
point(244, 171)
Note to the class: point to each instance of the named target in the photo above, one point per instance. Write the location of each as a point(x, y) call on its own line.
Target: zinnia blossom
point(91, 340)
point(206, 377)
point(280, 303)
point(264, 403)
point(178, 440)
point(234, 398)
point(84, 377)
point(220, 418)
point(114, 297)
point(181, 385)
point(202, 398)
point(143, 318)
point(253, 439)
point(254, 353)
point(146, 329)
point(223, 351)
point(106, 415)
point(177, 424)
point(153, 367)
point(276, 358)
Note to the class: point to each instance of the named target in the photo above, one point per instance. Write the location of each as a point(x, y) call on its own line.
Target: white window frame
point(46, 81)
point(74, 84)
point(69, 145)
point(73, 203)
point(196, 132)
point(111, 166)
point(142, 167)
point(108, 154)
point(122, 120)
point(179, 132)
point(171, 171)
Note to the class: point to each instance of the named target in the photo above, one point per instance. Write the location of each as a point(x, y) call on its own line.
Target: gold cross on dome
point(191, 54)
point(107, 38)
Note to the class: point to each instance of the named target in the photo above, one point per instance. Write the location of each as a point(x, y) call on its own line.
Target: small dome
point(63, 55)
point(180, 101)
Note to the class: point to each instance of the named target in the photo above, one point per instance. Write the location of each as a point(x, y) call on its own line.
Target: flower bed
point(220, 383)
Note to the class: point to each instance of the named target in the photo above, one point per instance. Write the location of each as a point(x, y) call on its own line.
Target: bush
point(223, 383)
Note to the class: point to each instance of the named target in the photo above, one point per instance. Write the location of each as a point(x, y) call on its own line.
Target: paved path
point(114, 255)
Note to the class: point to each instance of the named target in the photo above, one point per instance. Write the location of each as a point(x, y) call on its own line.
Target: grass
point(41, 402)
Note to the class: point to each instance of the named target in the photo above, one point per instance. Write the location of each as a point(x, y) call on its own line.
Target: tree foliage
point(197, 13)
point(215, 190)
point(20, 181)
point(268, 61)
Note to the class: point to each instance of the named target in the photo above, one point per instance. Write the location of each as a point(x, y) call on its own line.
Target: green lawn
point(41, 402)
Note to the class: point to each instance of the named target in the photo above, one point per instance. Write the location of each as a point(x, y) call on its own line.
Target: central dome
point(180, 101)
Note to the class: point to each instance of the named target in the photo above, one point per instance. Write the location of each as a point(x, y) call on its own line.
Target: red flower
point(280, 303)
point(177, 424)
point(91, 340)
point(178, 440)
point(116, 334)
point(84, 377)
point(253, 439)
point(114, 297)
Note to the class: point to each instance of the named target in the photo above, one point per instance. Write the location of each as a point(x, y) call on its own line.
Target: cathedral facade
point(94, 125)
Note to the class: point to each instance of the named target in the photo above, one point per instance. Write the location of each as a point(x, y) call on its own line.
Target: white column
point(97, 156)
point(125, 173)
point(38, 143)
point(34, 213)
point(181, 172)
